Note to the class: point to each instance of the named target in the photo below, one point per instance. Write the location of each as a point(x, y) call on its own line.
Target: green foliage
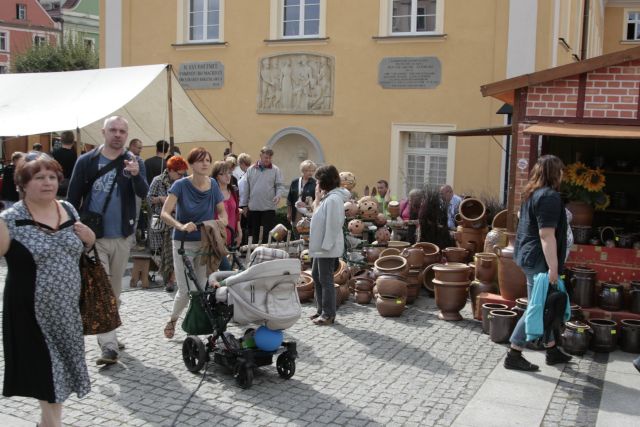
point(72, 55)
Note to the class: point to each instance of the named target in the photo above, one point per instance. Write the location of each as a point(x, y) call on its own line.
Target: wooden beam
point(582, 90)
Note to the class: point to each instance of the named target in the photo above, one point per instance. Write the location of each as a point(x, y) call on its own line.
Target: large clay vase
point(476, 288)
point(630, 335)
point(431, 253)
point(453, 254)
point(452, 272)
point(471, 239)
point(582, 213)
point(390, 306)
point(486, 266)
point(501, 324)
point(605, 337)
point(473, 213)
point(451, 297)
point(511, 279)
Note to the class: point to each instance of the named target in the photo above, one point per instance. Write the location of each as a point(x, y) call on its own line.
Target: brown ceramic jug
point(486, 266)
point(476, 288)
point(511, 279)
point(473, 213)
point(431, 253)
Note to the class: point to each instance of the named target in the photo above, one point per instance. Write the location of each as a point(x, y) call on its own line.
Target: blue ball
point(267, 339)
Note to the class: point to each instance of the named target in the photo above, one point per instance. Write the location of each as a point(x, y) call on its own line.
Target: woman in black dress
point(42, 329)
point(300, 190)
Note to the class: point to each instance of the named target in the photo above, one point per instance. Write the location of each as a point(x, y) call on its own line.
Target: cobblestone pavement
point(365, 370)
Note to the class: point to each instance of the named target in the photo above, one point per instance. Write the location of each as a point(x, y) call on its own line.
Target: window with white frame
point(425, 160)
point(4, 41)
point(21, 11)
point(204, 20)
point(633, 25)
point(414, 17)
point(39, 40)
point(300, 18)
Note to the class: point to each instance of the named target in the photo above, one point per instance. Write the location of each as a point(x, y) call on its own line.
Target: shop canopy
point(584, 131)
point(35, 103)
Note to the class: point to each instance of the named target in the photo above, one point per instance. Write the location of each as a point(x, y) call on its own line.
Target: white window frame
point(625, 23)
point(37, 37)
point(5, 36)
point(301, 19)
point(182, 27)
point(386, 17)
point(276, 22)
point(21, 11)
point(399, 151)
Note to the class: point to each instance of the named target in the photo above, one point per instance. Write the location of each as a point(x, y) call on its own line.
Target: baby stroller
point(265, 294)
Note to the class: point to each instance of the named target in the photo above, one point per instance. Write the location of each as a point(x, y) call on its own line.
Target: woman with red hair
point(159, 232)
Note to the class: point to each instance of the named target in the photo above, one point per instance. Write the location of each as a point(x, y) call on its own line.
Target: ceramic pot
point(279, 233)
point(500, 220)
point(471, 239)
point(520, 307)
point(475, 289)
point(473, 213)
point(390, 251)
point(383, 235)
point(368, 209)
point(350, 209)
point(414, 283)
point(575, 338)
point(501, 324)
point(630, 335)
point(399, 244)
point(390, 285)
point(451, 297)
point(582, 284)
point(392, 264)
point(635, 285)
point(390, 306)
point(582, 213)
point(511, 279)
point(355, 227)
point(371, 254)
point(495, 237)
point(347, 180)
point(303, 226)
point(486, 266)
point(485, 309)
point(634, 304)
point(342, 294)
point(611, 296)
point(393, 207)
point(380, 220)
point(363, 297)
point(305, 287)
point(431, 252)
point(427, 278)
point(453, 254)
point(414, 257)
point(363, 283)
point(452, 272)
point(576, 312)
point(341, 275)
point(605, 336)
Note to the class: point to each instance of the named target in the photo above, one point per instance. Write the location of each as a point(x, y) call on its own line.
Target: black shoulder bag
point(94, 220)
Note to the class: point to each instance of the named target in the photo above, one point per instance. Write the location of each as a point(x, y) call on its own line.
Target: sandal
point(170, 329)
point(322, 321)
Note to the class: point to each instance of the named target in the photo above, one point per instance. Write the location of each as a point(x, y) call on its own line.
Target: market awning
point(585, 131)
point(494, 130)
point(35, 103)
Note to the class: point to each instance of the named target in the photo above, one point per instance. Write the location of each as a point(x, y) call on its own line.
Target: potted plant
point(583, 187)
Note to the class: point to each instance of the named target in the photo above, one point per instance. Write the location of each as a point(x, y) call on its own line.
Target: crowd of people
point(104, 189)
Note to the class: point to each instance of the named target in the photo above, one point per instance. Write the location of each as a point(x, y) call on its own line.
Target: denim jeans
point(322, 272)
point(519, 335)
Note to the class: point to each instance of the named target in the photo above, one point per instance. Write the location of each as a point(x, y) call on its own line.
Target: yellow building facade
point(366, 85)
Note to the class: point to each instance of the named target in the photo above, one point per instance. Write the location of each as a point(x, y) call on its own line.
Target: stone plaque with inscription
point(201, 75)
point(423, 72)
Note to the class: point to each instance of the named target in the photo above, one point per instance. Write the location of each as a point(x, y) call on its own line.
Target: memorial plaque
point(201, 75)
point(422, 72)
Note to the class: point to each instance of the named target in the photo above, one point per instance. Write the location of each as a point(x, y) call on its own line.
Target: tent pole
point(170, 107)
point(78, 141)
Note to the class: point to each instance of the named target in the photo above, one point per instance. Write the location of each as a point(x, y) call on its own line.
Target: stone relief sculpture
point(299, 83)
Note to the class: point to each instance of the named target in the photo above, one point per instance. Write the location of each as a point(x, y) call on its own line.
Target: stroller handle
point(184, 235)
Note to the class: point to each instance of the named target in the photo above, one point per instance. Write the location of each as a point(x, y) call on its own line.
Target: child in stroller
point(263, 294)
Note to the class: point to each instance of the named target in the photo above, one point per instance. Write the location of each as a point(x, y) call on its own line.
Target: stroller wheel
point(286, 365)
point(245, 376)
point(194, 354)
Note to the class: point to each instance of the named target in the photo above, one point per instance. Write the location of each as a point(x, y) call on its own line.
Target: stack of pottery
point(511, 279)
point(472, 225)
point(486, 309)
point(486, 270)
point(415, 259)
point(363, 289)
point(305, 287)
point(496, 236)
point(611, 296)
point(576, 337)
point(630, 335)
point(605, 337)
point(634, 297)
point(368, 208)
point(501, 324)
point(451, 288)
point(582, 285)
point(391, 285)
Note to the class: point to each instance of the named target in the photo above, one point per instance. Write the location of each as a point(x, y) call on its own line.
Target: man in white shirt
point(452, 202)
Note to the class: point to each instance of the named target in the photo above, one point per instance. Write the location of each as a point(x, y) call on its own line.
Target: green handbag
point(196, 322)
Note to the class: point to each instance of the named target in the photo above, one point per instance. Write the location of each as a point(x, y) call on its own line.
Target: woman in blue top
point(540, 247)
point(195, 198)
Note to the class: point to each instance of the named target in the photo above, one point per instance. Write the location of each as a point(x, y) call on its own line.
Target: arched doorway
point(291, 146)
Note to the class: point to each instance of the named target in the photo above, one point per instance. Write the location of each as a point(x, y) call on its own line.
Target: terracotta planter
point(451, 297)
point(520, 307)
point(471, 239)
point(390, 306)
point(611, 296)
point(475, 289)
point(363, 297)
point(431, 253)
point(363, 283)
point(486, 266)
point(485, 309)
point(453, 254)
point(582, 213)
point(414, 257)
point(394, 209)
point(501, 324)
point(391, 285)
point(605, 337)
point(341, 275)
point(576, 337)
point(452, 272)
point(511, 279)
point(473, 213)
point(630, 335)
point(341, 296)
point(392, 264)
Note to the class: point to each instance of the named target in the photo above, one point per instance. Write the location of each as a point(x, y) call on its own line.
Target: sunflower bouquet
point(581, 183)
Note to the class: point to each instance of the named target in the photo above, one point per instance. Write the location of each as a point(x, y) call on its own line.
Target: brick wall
point(558, 98)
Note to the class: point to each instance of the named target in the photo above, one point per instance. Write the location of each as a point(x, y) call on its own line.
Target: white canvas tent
point(35, 103)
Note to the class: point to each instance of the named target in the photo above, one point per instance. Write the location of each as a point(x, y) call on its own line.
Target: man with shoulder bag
point(103, 188)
